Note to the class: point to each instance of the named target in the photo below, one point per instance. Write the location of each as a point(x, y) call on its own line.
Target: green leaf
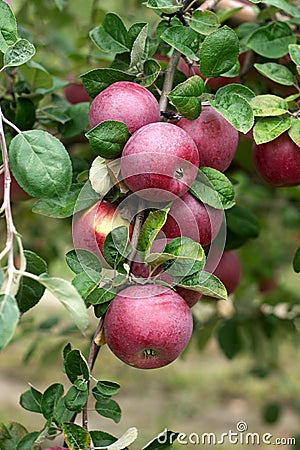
point(276, 72)
point(150, 228)
point(107, 407)
point(272, 40)
point(163, 6)
point(28, 441)
point(219, 52)
point(108, 138)
point(138, 46)
point(296, 261)
point(76, 366)
point(84, 284)
point(164, 441)
point(229, 338)
point(213, 188)
point(19, 53)
point(30, 291)
point(80, 260)
point(100, 295)
point(111, 36)
point(66, 293)
point(184, 39)
point(283, 5)
point(294, 131)
point(98, 79)
point(37, 76)
point(78, 120)
point(267, 129)
point(186, 97)
point(31, 400)
point(242, 222)
point(2, 277)
point(10, 435)
point(294, 52)
point(76, 437)
point(268, 105)
point(151, 71)
point(8, 27)
point(75, 399)
point(50, 399)
point(188, 257)
point(102, 439)
point(41, 164)
point(107, 388)
point(115, 244)
point(204, 22)
point(232, 102)
point(205, 283)
point(9, 317)
point(61, 413)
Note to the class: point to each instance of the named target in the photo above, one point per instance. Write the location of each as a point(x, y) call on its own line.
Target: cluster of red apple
point(148, 325)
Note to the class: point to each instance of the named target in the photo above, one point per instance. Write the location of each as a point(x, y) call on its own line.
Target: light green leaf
point(163, 6)
point(268, 105)
point(8, 27)
point(138, 47)
point(66, 293)
point(151, 227)
point(294, 131)
point(107, 407)
point(204, 22)
point(107, 388)
point(76, 437)
point(115, 245)
point(9, 317)
point(276, 72)
point(98, 79)
point(75, 399)
point(294, 51)
point(272, 40)
point(282, 5)
point(267, 129)
point(184, 39)
point(189, 257)
point(108, 138)
point(205, 283)
point(111, 36)
point(150, 72)
point(186, 97)
point(19, 53)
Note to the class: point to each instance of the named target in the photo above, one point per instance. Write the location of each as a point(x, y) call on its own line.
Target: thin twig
point(169, 79)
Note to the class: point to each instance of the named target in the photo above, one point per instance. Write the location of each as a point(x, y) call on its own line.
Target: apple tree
point(189, 121)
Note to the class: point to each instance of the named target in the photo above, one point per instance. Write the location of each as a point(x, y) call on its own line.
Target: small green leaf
point(294, 52)
point(66, 293)
point(229, 338)
point(50, 399)
point(150, 228)
point(8, 27)
point(78, 120)
point(205, 283)
point(80, 260)
point(219, 52)
point(163, 6)
point(75, 399)
point(186, 97)
point(268, 105)
point(108, 138)
point(31, 400)
point(272, 40)
point(267, 129)
point(296, 261)
point(138, 46)
point(115, 245)
point(294, 131)
point(28, 441)
point(62, 414)
point(111, 36)
point(164, 441)
point(76, 366)
point(98, 79)
point(213, 188)
point(151, 71)
point(100, 295)
point(76, 437)
point(204, 22)
point(184, 39)
point(41, 164)
point(37, 76)
point(107, 388)
point(189, 257)
point(102, 439)
point(84, 284)
point(242, 222)
point(19, 53)
point(9, 317)
point(276, 72)
point(107, 407)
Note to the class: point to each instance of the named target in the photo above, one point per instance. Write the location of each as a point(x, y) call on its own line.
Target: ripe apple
point(17, 194)
point(216, 139)
point(159, 161)
point(191, 218)
point(91, 226)
point(228, 270)
point(278, 161)
point(126, 102)
point(148, 326)
point(75, 93)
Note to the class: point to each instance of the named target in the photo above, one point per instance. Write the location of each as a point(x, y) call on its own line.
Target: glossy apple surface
point(278, 161)
point(148, 326)
point(126, 102)
point(216, 139)
point(91, 226)
point(229, 270)
point(75, 93)
point(159, 161)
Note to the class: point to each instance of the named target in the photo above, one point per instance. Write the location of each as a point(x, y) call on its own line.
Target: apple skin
point(191, 218)
point(17, 194)
point(148, 318)
point(91, 226)
point(159, 161)
point(126, 102)
point(8, 2)
point(75, 93)
point(278, 161)
point(229, 270)
point(216, 139)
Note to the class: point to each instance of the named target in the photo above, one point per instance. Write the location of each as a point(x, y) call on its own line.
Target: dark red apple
point(75, 93)
point(126, 102)
point(159, 162)
point(148, 326)
point(278, 161)
point(17, 194)
point(216, 139)
point(91, 226)
point(229, 270)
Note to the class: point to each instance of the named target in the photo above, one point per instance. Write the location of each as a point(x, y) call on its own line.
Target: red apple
point(245, 14)
point(216, 139)
point(229, 270)
point(278, 161)
point(8, 2)
point(148, 326)
point(159, 161)
point(75, 93)
point(191, 218)
point(126, 102)
point(91, 226)
point(17, 194)
point(190, 297)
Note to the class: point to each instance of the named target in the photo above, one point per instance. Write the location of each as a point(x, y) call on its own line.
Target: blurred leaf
point(294, 131)
point(109, 408)
point(281, 4)
point(205, 283)
point(10, 435)
point(111, 36)
point(19, 53)
point(186, 97)
point(80, 260)
point(31, 400)
point(28, 441)
point(61, 4)
point(9, 317)
point(229, 338)
point(150, 228)
point(268, 105)
point(163, 441)
point(115, 244)
point(271, 412)
point(184, 39)
point(267, 129)
point(41, 164)
point(272, 40)
point(25, 114)
point(163, 6)
point(296, 261)
point(108, 138)
point(242, 222)
point(76, 366)
point(204, 22)
point(50, 399)
point(294, 52)
point(151, 71)
point(78, 120)
point(2, 276)
point(107, 388)
point(276, 72)
point(8, 27)
point(98, 79)
point(75, 399)
point(76, 436)
point(219, 52)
